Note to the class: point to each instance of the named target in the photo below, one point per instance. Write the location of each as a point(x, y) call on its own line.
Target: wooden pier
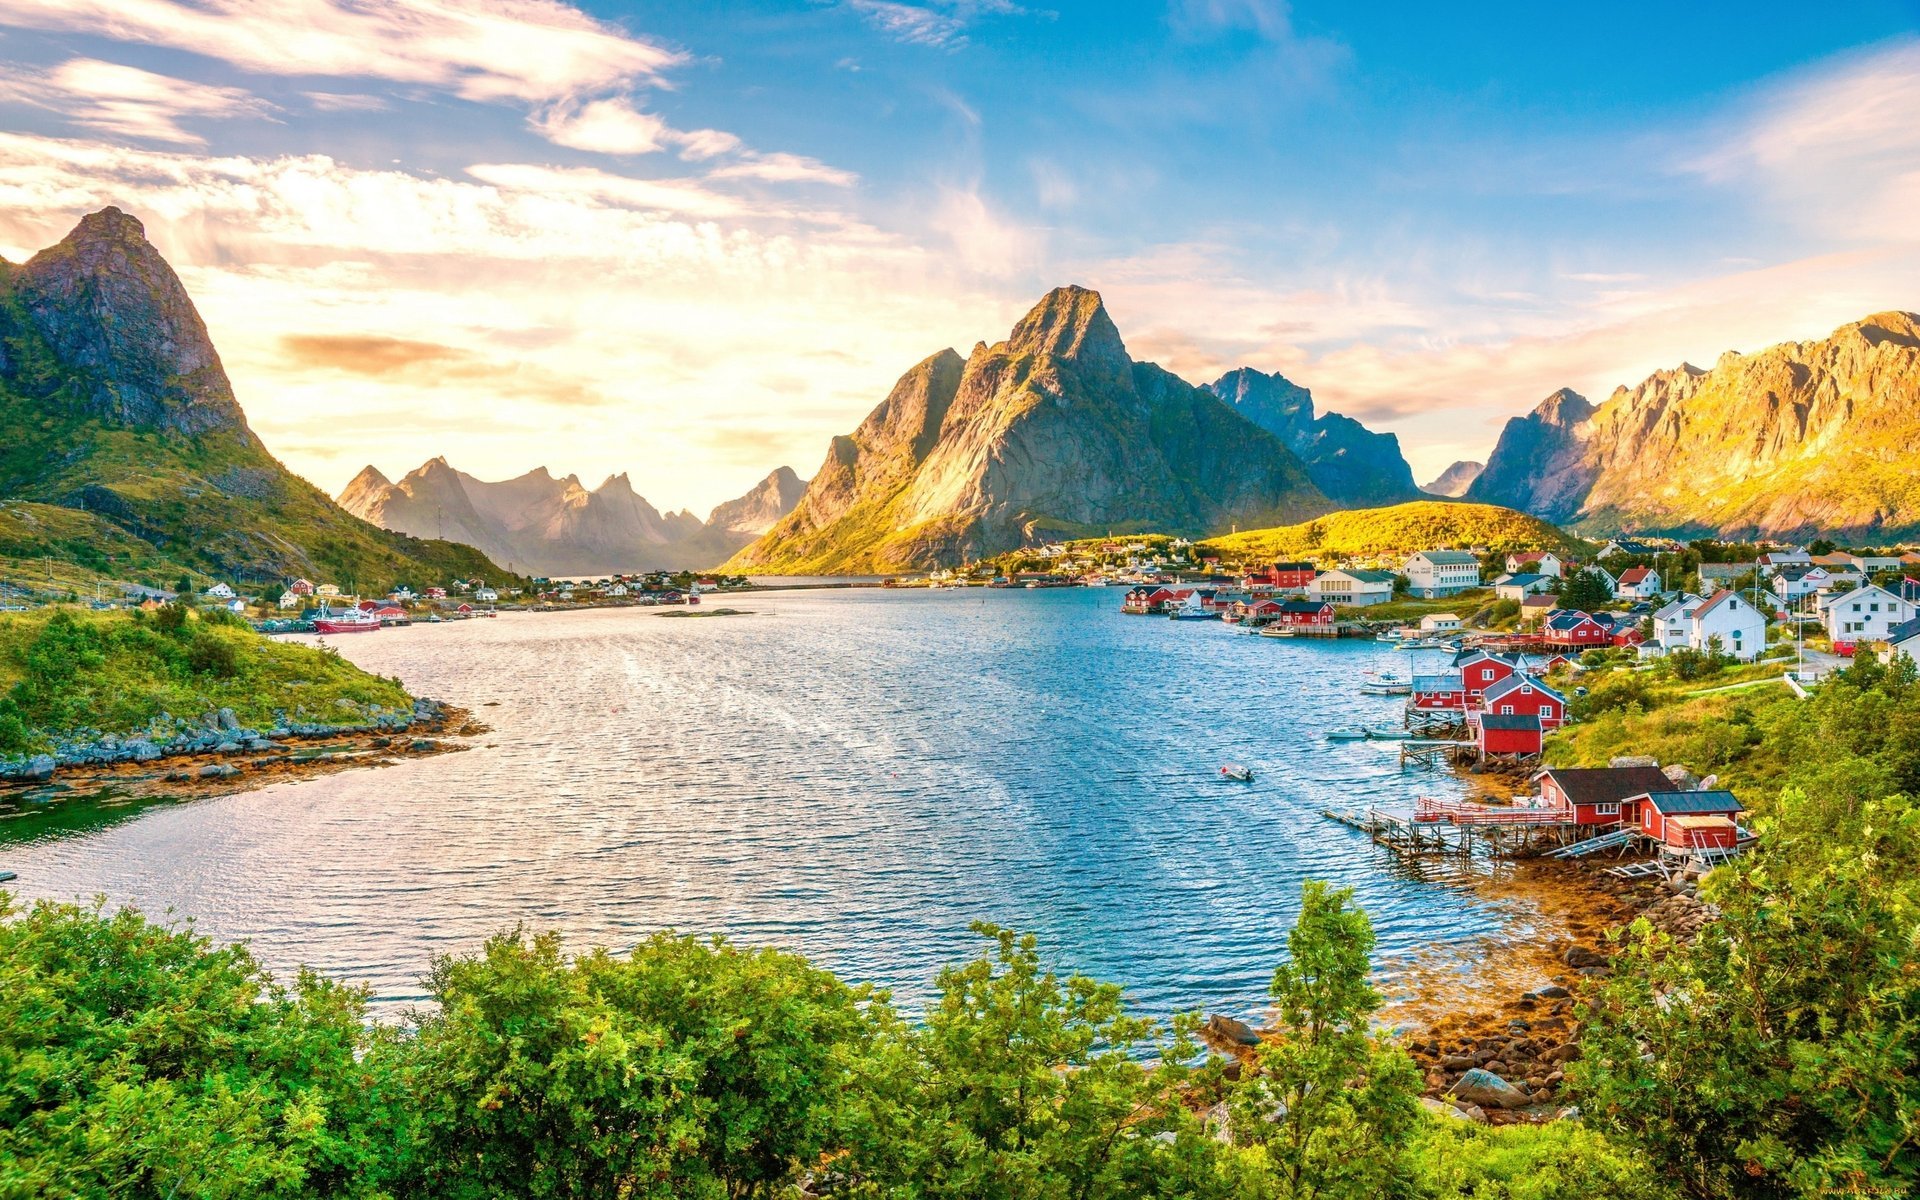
point(1461, 828)
point(1431, 753)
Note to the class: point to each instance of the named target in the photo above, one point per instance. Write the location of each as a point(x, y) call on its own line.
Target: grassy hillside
point(127, 501)
point(1398, 529)
point(65, 671)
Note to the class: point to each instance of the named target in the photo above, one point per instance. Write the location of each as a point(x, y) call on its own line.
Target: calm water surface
point(857, 775)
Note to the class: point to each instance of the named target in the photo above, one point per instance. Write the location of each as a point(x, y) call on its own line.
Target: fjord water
point(853, 774)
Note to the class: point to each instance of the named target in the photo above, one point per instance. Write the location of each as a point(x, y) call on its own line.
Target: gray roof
point(1509, 721)
point(1676, 803)
point(1438, 683)
point(1906, 629)
point(1511, 683)
point(1371, 576)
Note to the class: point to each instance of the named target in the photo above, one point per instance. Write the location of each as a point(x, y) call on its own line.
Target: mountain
point(124, 450)
point(1054, 432)
point(1455, 480)
point(1349, 462)
point(1394, 530)
point(548, 526)
point(1801, 438)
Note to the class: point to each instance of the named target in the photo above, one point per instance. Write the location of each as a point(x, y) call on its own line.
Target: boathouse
point(1704, 820)
point(1599, 795)
point(1510, 735)
point(1439, 693)
point(1522, 693)
point(1311, 613)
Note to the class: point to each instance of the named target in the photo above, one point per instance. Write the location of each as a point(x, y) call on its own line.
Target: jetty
point(1462, 828)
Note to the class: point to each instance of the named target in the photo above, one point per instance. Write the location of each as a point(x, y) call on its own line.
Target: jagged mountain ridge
point(1055, 431)
point(1352, 464)
point(1455, 480)
point(124, 449)
point(1808, 437)
point(557, 526)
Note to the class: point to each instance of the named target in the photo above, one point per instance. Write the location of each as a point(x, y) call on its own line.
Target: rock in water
point(1225, 1031)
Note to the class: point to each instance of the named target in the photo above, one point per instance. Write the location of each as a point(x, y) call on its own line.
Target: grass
point(67, 672)
point(1394, 530)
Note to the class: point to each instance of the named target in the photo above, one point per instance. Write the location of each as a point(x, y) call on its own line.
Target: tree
point(1587, 590)
point(183, 586)
point(1821, 546)
point(142, 1061)
point(1333, 1107)
point(1778, 1055)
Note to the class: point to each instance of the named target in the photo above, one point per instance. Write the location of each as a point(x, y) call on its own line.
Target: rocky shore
point(216, 753)
point(1499, 1055)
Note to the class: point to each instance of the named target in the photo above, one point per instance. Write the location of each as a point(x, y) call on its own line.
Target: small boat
point(1385, 683)
point(1346, 735)
point(1237, 773)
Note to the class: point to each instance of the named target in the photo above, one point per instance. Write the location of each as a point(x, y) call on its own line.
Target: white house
point(1536, 562)
point(1774, 560)
point(403, 593)
point(1438, 622)
point(1630, 546)
point(1865, 614)
point(328, 590)
point(1794, 580)
point(1433, 573)
point(290, 599)
point(1351, 587)
point(1904, 639)
point(220, 591)
point(1519, 587)
point(487, 595)
point(1637, 583)
point(1739, 628)
point(1673, 624)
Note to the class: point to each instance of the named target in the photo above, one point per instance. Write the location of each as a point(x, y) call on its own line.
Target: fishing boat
point(1275, 631)
point(1384, 683)
point(352, 621)
point(1237, 773)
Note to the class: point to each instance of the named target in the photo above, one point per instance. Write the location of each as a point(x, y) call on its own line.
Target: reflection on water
point(855, 774)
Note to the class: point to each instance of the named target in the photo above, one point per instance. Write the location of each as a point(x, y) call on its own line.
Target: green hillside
point(1398, 529)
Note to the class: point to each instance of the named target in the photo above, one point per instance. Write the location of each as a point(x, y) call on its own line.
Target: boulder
point(1488, 1090)
point(1553, 992)
point(1221, 1029)
point(1580, 958)
point(39, 768)
point(228, 748)
point(1441, 1108)
point(219, 771)
point(225, 719)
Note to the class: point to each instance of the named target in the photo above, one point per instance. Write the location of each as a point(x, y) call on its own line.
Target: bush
point(1562, 1161)
point(211, 654)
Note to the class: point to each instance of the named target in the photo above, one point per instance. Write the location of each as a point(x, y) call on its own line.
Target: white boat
point(1346, 735)
point(1384, 683)
point(1275, 631)
point(1237, 773)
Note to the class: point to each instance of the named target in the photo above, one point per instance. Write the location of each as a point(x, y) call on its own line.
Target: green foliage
point(1689, 664)
point(65, 670)
point(1776, 1056)
point(141, 1061)
point(1562, 1161)
point(1587, 590)
point(1333, 1108)
point(1397, 529)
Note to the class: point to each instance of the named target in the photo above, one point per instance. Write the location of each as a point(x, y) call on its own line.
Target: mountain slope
point(1397, 529)
point(115, 407)
point(1054, 432)
point(1455, 480)
point(550, 526)
point(1801, 438)
point(1346, 460)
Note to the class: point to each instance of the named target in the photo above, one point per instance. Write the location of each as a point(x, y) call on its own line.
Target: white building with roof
point(1432, 573)
point(1865, 614)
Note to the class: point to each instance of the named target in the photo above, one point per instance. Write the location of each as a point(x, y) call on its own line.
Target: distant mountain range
point(1803, 438)
point(1455, 480)
point(124, 450)
point(557, 527)
point(1354, 466)
point(1054, 432)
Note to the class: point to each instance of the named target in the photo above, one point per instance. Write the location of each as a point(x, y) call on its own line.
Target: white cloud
point(784, 168)
point(487, 50)
point(126, 101)
point(912, 23)
point(611, 126)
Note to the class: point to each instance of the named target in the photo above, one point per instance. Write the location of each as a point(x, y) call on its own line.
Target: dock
point(1430, 753)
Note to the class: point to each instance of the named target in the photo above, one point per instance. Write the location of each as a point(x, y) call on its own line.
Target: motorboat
point(1237, 773)
point(1385, 683)
point(1346, 735)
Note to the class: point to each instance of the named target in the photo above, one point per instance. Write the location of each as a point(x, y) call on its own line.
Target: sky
point(693, 241)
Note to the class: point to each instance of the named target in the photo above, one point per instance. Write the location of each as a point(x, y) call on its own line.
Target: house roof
point(1526, 580)
point(1635, 576)
point(1293, 566)
point(1717, 801)
point(1514, 682)
point(1714, 601)
point(1366, 576)
point(1540, 601)
point(1449, 558)
point(1438, 683)
point(1568, 618)
point(1303, 606)
point(1904, 631)
point(1608, 785)
point(1511, 721)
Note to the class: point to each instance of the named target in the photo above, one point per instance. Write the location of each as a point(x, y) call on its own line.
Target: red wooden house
point(1689, 820)
point(1439, 693)
point(1510, 733)
point(1305, 612)
point(1575, 630)
point(1480, 670)
point(1599, 795)
point(1522, 693)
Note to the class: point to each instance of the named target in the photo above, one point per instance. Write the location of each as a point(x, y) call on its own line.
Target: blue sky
point(693, 241)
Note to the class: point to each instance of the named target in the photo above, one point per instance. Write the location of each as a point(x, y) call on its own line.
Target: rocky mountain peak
point(1901, 328)
point(1070, 323)
point(1455, 480)
point(1565, 409)
point(1346, 460)
point(115, 314)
